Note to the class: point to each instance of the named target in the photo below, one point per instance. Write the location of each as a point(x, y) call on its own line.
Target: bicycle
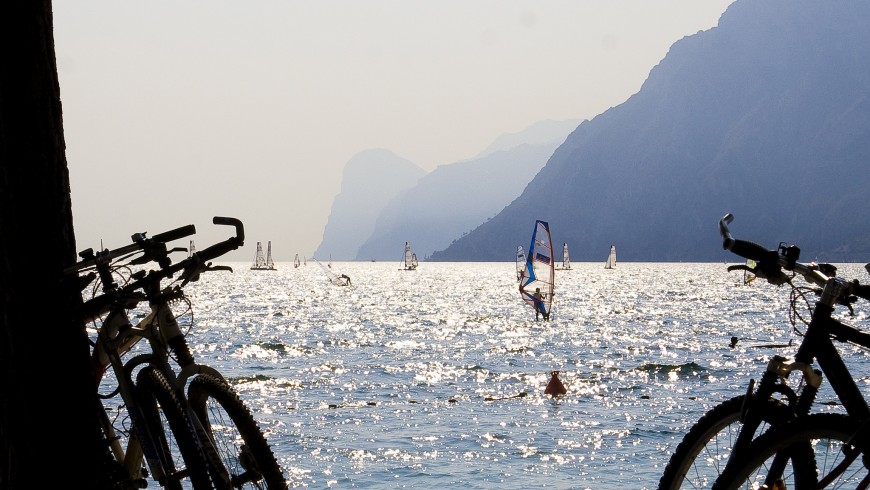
point(732, 426)
point(218, 441)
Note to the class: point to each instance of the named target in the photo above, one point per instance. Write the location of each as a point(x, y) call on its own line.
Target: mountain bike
point(722, 437)
point(215, 441)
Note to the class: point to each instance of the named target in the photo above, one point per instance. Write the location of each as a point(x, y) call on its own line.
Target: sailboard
point(337, 279)
point(521, 262)
point(611, 259)
point(409, 260)
point(536, 284)
point(566, 259)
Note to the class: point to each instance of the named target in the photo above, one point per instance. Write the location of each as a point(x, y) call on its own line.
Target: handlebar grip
point(227, 245)
point(749, 250)
point(218, 249)
point(240, 228)
point(168, 236)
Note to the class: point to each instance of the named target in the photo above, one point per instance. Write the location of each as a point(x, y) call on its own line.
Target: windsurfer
point(346, 279)
point(540, 309)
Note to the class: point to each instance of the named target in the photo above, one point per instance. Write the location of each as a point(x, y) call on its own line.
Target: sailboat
point(409, 261)
point(521, 261)
point(263, 262)
point(611, 259)
point(536, 284)
point(566, 261)
point(296, 261)
point(191, 249)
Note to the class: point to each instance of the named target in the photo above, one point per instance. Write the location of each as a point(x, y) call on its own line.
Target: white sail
point(261, 261)
point(409, 260)
point(521, 262)
point(566, 260)
point(536, 285)
point(611, 259)
point(296, 261)
point(270, 264)
point(338, 280)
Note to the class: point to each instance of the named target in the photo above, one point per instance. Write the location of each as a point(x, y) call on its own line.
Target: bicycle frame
point(817, 346)
point(115, 338)
point(155, 390)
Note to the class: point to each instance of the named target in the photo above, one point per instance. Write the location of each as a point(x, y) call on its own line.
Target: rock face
point(369, 181)
point(766, 116)
point(386, 200)
point(453, 199)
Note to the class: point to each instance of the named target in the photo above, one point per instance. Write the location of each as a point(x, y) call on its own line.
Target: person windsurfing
point(540, 309)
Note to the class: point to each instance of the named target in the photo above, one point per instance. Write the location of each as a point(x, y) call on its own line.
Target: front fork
point(773, 382)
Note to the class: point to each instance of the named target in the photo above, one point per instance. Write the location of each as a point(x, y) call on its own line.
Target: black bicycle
point(719, 447)
point(215, 441)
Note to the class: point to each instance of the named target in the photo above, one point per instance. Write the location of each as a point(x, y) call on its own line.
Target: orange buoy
point(555, 386)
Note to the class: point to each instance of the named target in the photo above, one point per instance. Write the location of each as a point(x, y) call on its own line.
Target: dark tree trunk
point(47, 438)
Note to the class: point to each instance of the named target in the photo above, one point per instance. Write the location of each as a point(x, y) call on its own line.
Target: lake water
point(435, 378)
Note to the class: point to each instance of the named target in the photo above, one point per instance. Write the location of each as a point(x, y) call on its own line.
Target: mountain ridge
point(765, 115)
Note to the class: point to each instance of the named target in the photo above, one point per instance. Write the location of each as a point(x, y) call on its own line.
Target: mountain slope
point(766, 115)
point(369, 181)
point(454, 198)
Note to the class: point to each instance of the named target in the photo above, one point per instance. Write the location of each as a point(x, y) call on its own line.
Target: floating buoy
point(555, 386)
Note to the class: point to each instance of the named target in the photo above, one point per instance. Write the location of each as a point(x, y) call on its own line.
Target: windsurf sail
point(536, 284)
point(409, 260)
point(338, 280)
point(296, 261)
point(566, 260)
point(521, 262)
point(611, 258)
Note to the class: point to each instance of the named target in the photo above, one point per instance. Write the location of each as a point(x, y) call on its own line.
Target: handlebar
point(227, 245)
point(770, 263)
point(190, 268)
point(743, 248)
point(140, 242)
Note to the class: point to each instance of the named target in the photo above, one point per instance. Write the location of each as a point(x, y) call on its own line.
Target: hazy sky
point(175, 112)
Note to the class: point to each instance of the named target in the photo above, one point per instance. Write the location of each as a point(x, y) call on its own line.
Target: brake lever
point(191, 274)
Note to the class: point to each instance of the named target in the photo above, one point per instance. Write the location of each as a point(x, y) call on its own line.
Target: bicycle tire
point(715, 431)
point(239, 441)
point(161, 408)
point(813, 445)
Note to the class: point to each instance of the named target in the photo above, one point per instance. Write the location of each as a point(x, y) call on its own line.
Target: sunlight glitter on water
point(435, 377)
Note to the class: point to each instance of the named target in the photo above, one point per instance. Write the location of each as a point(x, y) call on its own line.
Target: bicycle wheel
point(701, 455)
point(237, 437)
point(813, 449)
point(179, 456)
